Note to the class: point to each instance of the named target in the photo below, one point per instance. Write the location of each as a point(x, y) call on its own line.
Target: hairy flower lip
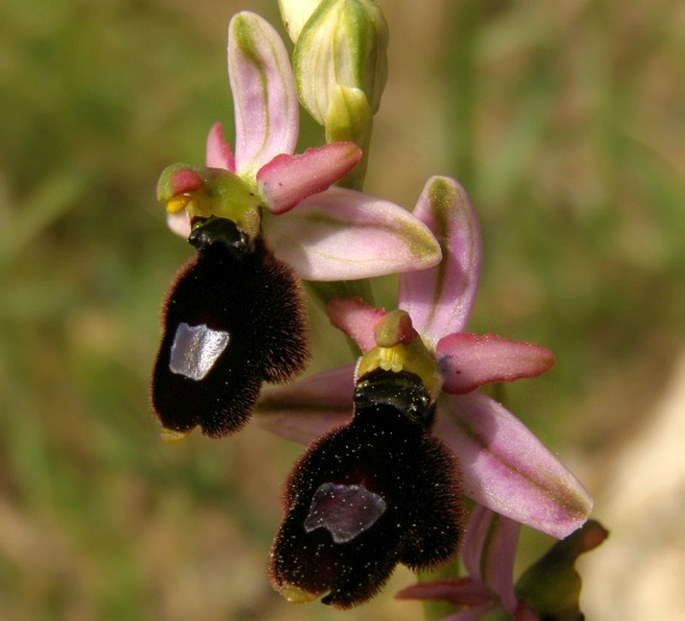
point(366, 496)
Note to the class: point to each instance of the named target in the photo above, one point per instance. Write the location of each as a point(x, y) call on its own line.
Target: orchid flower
point(333, 234)
point(234, 316)
point(489, 553)
point(504, 466)
point(375, 492)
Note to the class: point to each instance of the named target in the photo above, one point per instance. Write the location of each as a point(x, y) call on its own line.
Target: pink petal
point(342, 234)
point(490, 551)
point(305, 410)
point(219, 153)
point(263, 87)
point(457, 591)
point(288, 179)
point(439, 300)
point(507, 469)
point(468, 361)
point(355, 319)
point(179, 223)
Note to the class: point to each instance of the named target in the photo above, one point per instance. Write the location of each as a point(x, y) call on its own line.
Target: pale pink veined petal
point(490, 551)
point(342, 234)
point(263, 87)
point(355, 319)
point(288, 179)
point(468, 361)
point(219, 152)
point(439, 300)
point(305, 410)
point(507, 469)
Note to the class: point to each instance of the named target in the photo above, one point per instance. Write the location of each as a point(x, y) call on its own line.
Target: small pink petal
point(468, 361)
point(288, 179)
point(219, 153)
point(507, 469)
point(355, 319)
point(305, 410)
point(266, 107)
point(342, 234)
point(179, 223)
point(457, 591)
point(439, 300)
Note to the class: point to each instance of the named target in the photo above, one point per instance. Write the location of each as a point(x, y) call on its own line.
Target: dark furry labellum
point(232, 319)
point(373, 493)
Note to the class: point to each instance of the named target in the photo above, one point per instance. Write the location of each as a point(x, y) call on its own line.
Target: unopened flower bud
point(343, 43)
point(295, 14)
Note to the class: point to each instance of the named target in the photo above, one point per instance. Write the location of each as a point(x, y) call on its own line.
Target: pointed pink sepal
point(342, 234)
point(355, 319)
point(468, 361)
point(439, 300)
point(267, 112)
point(507, 469)
point(288, 179)
point(490, 552)
point(305, 410)
point(219, 152)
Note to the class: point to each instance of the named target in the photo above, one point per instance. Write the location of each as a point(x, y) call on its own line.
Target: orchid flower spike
point(504, 466)
point(323, 234)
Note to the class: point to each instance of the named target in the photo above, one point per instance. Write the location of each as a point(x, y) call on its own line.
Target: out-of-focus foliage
point(564, 122)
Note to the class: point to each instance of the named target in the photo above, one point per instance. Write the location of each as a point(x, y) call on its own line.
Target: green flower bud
point(349, 119)
point(295, 14)
point(343, 43)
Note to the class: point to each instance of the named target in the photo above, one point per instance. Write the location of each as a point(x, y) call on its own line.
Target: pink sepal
point(439, 300)
point(267, 112)
point(342, 234)
point(305, 410)
point(507, 469)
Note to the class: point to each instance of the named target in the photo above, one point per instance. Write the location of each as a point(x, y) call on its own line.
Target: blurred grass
point(563, 120)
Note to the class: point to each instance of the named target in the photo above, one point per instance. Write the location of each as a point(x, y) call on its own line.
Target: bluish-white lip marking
point(196, 349)
point(345, 511)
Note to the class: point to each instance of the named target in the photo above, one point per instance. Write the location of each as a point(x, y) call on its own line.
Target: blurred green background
point(564, 120)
